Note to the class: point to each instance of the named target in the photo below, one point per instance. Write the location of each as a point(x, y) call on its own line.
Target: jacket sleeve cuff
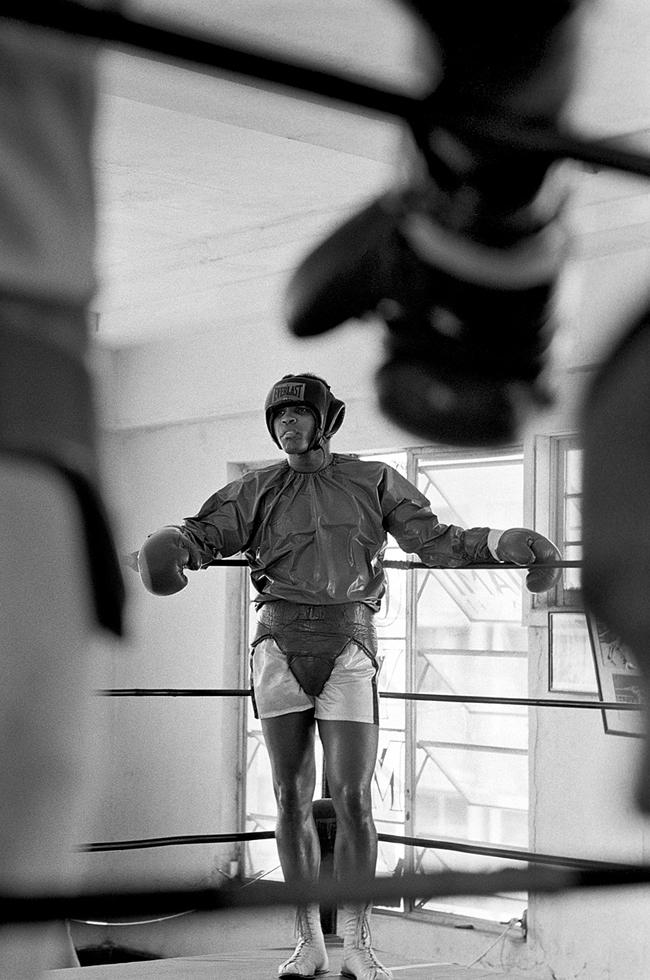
point(493, 539)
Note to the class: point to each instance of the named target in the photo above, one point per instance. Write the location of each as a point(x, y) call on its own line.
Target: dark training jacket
point(319, 538)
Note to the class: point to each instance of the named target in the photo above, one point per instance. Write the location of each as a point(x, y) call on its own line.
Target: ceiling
point(211, 188)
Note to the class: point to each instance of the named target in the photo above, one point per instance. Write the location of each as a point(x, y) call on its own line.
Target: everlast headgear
point(306, 389)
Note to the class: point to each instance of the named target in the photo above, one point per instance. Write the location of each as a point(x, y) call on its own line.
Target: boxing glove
point(521, 546)
point(460, 262)
point(163, 558)
point(464, 357)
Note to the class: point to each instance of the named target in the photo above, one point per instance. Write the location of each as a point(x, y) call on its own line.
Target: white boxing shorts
point(349, 694)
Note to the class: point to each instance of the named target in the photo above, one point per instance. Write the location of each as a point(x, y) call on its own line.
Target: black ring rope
point(210, 692)
point(493, 566)
point(506, 854)
point(173, 692)
point(40, 908)
point(180, 840)
point(410, 565)
point(163, 38)
point(526, 702)
point(503, 853)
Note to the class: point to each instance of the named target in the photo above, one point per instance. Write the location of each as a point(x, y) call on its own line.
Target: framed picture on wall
point(619, 679)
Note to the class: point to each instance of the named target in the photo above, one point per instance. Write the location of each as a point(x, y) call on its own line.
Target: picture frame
point(619, 679)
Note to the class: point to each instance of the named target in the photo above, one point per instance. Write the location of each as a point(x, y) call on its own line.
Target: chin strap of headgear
point(316, 394)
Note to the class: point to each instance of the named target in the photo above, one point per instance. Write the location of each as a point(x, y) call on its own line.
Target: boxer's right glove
point(163, 558)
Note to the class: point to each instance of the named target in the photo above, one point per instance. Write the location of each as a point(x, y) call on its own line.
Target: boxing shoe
point(359, 959)
point(309, 959)
point(362, 964)
point(460, 263)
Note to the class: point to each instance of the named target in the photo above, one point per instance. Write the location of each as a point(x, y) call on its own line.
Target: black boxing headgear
point(306, 389)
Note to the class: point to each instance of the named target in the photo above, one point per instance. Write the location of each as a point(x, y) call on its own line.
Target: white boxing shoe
point(362, 964)
point(309, 958)
point(359, 960)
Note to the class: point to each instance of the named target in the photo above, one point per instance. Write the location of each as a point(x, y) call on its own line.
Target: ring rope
point(163, 38)
point(148, 842)
point(506, 854)
point(209, 692)
point(527, 702)
point(47, 907)
point(407, 565)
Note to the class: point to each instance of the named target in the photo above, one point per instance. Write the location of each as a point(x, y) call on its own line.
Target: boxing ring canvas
point(253, 965)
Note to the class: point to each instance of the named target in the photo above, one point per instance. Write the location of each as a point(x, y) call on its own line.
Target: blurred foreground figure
point(461, 260)
point(61, 582)
point(616, 505)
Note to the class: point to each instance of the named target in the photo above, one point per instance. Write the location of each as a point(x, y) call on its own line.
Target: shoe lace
point(302, 927)
point(363, 945)
point(363, 938)
point(302, 941)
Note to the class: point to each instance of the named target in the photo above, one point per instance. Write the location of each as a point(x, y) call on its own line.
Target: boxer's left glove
point(162, 561)
point(522, 546)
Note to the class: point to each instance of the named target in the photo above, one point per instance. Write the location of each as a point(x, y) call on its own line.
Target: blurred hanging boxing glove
point(163, 558)
point(461, 263)
point(521, 546)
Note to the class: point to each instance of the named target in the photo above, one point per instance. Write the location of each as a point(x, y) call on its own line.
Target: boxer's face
point(294, 427)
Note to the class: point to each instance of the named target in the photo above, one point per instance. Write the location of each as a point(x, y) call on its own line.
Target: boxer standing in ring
point(313, 528)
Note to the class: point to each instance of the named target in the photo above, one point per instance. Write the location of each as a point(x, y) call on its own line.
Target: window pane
point(471, 760)
point(569, 516)
point(500, 907)
point(388, 790)
point(572, 519)
point(474, 492)
point(473, 655)
point(572, 576)
point(572, 662)
point(573, 471)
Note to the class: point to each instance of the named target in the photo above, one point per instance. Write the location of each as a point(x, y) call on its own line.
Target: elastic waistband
point(281, 613)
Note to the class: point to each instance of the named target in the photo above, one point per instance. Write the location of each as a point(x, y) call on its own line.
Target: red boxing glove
point(522, 546)
point(162, 560)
